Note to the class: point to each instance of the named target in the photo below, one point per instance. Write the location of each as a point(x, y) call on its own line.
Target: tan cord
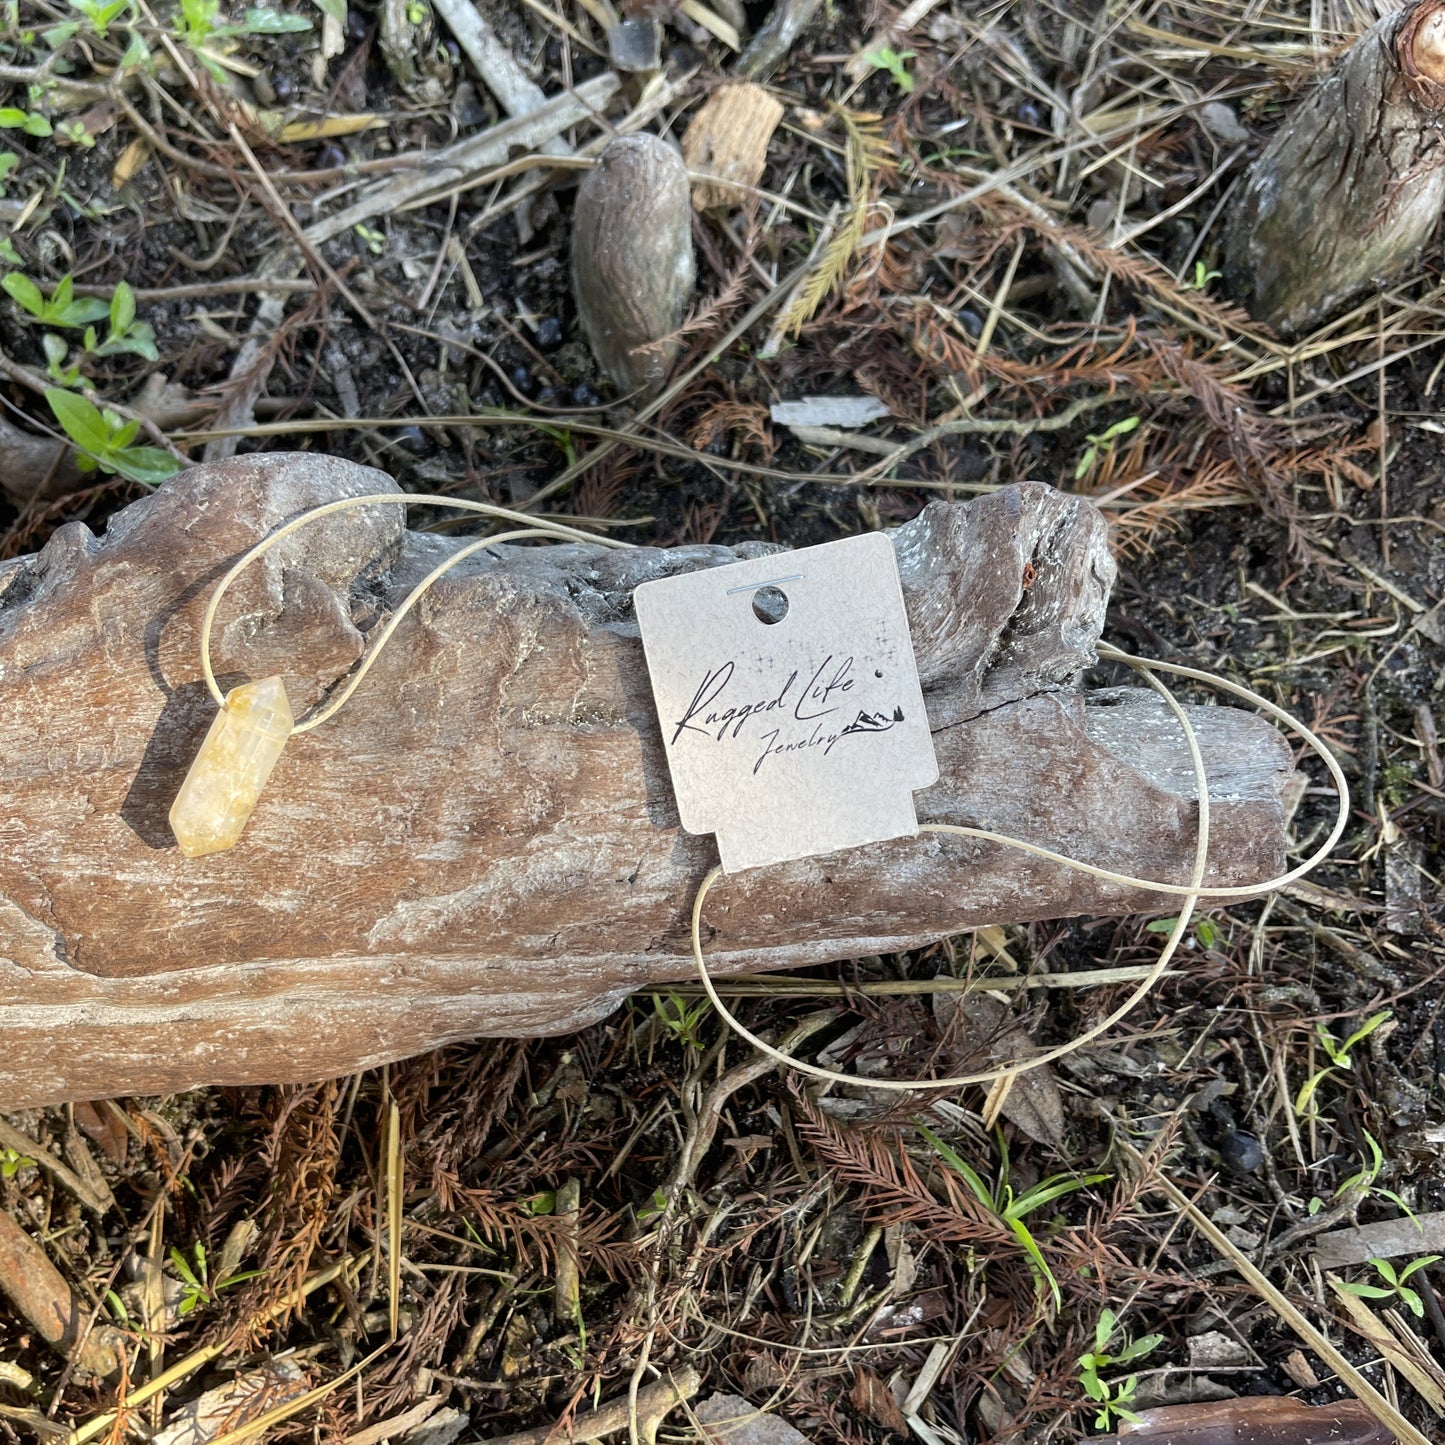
point(1191, 893)
point(535, 527)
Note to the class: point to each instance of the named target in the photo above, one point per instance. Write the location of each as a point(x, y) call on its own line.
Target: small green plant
point(680, 1018)
point(1395, 1286)
point(106, 440)
point(62, 308)
point(1363, 1179)
point(11, 1163)
point(1112, 1400)
point(12, 118)
point(102, 14)
point(197, 1288)
point(8, 161)
point(1102, 444)
point(375, 240)
point(198, 25)
point(1338, 1054)
point(74, 133)
point(1013, 1209)
point(1205, 931)
point(1201, 279)
point(126, 335)
point(895, 62)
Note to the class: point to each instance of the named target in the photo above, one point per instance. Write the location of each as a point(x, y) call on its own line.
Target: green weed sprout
point(680, 1018)
point(1102, 444)
point(61, 308)
point(1013, 1209)
point(198, 25)
point(105, 440)
point(1112, 1400)
point(1395, 1286)
point(1339, 1055)
point(12, 118)
point(196, 1285)
point(102, 14)
point(895, 62)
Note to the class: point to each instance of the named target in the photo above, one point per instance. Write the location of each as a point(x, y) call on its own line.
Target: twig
point(1317, 1341)
point(12, 1138)
point(653, 1404)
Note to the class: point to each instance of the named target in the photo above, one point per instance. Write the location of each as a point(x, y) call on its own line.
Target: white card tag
point(800, 735)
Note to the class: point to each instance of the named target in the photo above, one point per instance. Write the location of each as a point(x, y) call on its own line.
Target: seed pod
point(632, 261)
point(1350, 188)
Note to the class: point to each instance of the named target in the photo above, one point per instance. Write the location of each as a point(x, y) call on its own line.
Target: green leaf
point(1085, 462)
point(122, 309)
point(970, 1176)
point(1162, 925)
point(262, 21)
point(1036, 1256)
point(148, 465)
point(1366, 1029)
point(24, 292)
point(1368, 1291)
point(1047, 1191)
point(1422, 1263)
point(80, 419)
point(1417, 1306)
point(1386, 1269)
point(183, 1268)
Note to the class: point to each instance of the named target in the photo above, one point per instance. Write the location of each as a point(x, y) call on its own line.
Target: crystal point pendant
point(231, 768)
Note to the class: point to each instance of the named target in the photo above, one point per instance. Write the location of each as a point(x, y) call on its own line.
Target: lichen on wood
point(1352, 185)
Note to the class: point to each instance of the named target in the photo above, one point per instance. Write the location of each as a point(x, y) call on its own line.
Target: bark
point(1351, 187)
point(484, 841)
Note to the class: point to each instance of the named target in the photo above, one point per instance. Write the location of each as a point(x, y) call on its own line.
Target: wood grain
point(484, 842)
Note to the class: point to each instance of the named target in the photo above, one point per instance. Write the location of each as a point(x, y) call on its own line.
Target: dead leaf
point(99, 1124)
point(1031, 1101)
point(129, 165)
point(870, 1397)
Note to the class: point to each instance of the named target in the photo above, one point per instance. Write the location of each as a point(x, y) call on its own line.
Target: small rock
point(1241, 1151)
point(549, 333)
point(732, 1420)
point(1221, 122)
point(636, 44)
point(1216, 1350)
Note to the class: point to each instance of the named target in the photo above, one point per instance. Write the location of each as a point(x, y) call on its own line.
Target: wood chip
point(728, 141)
point(1425, 1234)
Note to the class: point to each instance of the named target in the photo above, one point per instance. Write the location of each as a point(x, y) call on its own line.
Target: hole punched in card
point(789, 702)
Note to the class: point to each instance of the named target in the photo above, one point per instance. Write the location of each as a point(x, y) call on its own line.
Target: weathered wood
point(1351, 187)
point(484, 841)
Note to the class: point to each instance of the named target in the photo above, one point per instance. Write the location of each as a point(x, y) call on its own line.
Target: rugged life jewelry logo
point(803, 716)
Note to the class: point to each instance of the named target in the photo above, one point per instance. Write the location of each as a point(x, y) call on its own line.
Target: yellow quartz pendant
point(231, 768)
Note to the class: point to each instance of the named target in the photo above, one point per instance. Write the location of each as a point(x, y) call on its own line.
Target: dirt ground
point(582, 1216)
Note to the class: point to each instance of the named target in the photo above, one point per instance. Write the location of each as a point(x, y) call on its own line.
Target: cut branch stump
point(484, 841)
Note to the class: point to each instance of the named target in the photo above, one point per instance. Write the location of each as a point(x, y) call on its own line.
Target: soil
point(814, 1255)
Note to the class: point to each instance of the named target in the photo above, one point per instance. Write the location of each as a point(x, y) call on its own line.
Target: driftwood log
point(484, 841)
point(1352, 185)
